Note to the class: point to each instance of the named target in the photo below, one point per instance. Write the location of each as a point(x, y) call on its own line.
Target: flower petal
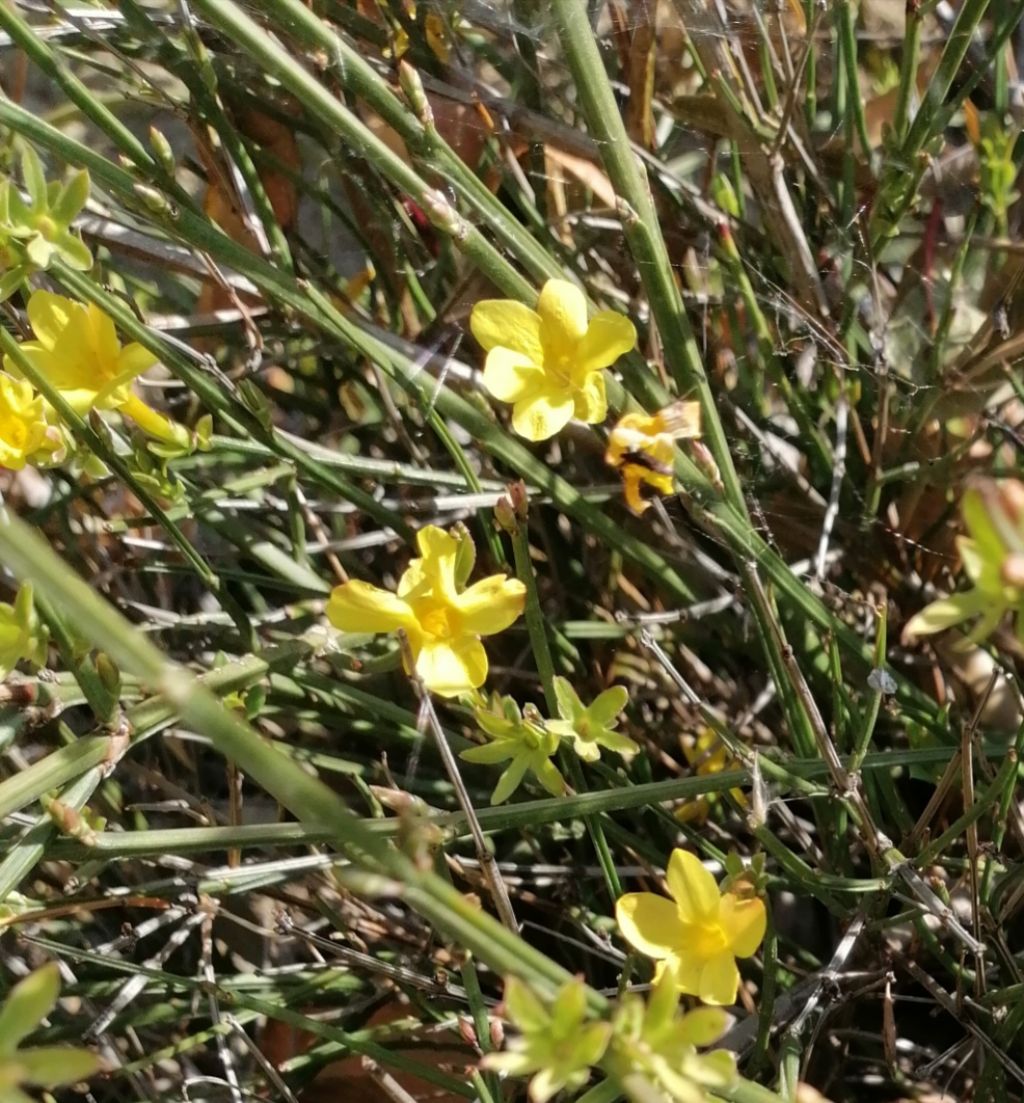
point(491, 753)
point(692, 887)
point(703, 1026)
point(449, 668)
point(491, 605)
point(946, 612)
point(616, 741)
point(510, 780)
point(133, 360)
point(649, 923)
point(504, 323)
point(101, 336)
point(548, 775)
point(719, 980)
point(524, 1008)
point(49, 315)
point(512, 1062)
point(357, 606)
point(570, 707)
point(562, 307)
point(684, 972)
point(542, 415)
point(591, 399)
point(434, 569)
point(744, 922)
point(570, 1006)
point(609, 336)
point(546, 1084)
point(592, 1042)
point(982, 523)
point(606, 706)
point(510, 376)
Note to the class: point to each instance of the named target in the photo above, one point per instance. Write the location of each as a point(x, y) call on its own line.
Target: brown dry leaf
point(583, 170)
point(637, 37)
point(221, 204)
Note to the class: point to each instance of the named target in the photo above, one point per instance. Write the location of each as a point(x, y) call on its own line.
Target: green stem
point(642, 228)
point(387, 871)
point(908, 69)
point(505, 818)
point(359, 139)
point(535, 624)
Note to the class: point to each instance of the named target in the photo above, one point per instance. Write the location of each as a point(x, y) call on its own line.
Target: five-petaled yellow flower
point(549, 362)
point(993, 559)
point(698, 934)
point(25, 434)
point(77, 350)
point(442, 621)
point(642, 447)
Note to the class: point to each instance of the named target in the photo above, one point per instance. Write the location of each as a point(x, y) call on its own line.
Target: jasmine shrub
point(512, 546)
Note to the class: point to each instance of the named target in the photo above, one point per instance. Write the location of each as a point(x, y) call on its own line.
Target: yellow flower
point(549, 362)
point(993, 560)
point(77, 350)
point(658, 1041)
point(698, 934)
point(708, 755)
point(557, 1044)
point(642, 447)
point(25, 435)
point(443, 621)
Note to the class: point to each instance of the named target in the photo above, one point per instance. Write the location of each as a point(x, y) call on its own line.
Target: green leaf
point(29, 1002)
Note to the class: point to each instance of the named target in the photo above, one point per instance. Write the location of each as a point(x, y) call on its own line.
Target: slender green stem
point(908, 70)
point(359, 139)
point(642, 228)
point(389, 871)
